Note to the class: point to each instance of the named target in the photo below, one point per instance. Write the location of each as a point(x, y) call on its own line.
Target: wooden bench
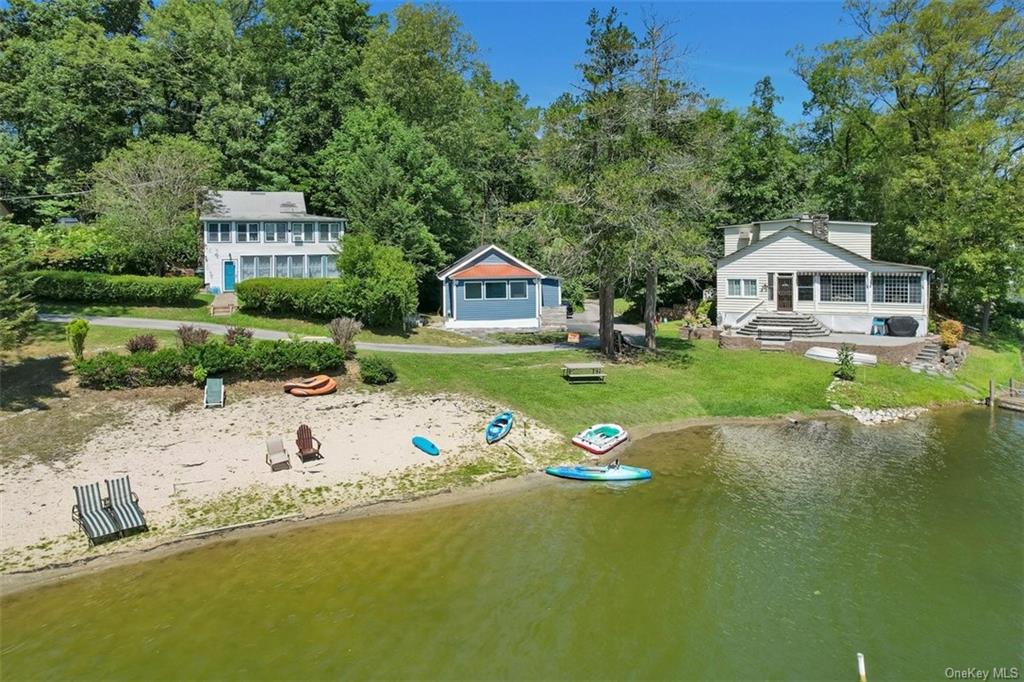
point(774, 333)
point(574, 372)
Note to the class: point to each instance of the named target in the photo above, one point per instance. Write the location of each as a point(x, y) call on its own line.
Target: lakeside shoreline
point(15, 582)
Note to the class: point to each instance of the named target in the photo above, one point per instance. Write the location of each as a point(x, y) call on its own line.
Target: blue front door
point(229, 275)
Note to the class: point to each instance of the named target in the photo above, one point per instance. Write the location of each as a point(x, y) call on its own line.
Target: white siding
point(856, 238)
point(798, 252)
point(731, 235)
point(215, 254)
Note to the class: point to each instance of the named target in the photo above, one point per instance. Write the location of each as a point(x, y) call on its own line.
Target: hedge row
point(96, 287)
point(255, 360)
point(307, 298)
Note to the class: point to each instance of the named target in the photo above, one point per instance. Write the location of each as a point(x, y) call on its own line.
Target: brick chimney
point(819, 225)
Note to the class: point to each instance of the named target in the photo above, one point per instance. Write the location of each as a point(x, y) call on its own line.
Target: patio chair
point(214, 396)
point(88, 512)
point(125, 505)
point(277, 457)
point(309, 447)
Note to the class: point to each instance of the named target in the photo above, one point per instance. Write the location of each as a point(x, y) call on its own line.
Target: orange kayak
point(312, 382)
point(330, 387)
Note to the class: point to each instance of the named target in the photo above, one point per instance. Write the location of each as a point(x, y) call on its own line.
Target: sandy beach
point(197, 469)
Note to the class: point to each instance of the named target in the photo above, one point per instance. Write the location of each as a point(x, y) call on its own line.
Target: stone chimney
point(819, 225)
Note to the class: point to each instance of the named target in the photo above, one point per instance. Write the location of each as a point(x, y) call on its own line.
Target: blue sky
point(731, 44)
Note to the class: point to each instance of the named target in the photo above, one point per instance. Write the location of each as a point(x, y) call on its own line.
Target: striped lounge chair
point(213, 396)
point(89, 514)
point(124, 504)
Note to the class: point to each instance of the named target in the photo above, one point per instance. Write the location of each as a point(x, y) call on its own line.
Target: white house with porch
point(818, 275)
point(265, 234)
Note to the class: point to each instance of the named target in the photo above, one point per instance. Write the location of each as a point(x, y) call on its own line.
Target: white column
point(444, 299)
point(869, 286)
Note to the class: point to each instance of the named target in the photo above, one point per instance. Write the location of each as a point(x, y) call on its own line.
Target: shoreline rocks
point(882, 416)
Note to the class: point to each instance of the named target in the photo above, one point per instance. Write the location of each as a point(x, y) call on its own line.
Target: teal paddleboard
point(620, 473)
point(426, 446)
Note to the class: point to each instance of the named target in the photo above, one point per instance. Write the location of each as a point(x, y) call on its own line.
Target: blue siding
point(549, 296)
point(496, 309)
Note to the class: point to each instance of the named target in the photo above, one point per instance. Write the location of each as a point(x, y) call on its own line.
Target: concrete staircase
point(224, 304)
point(783, 327)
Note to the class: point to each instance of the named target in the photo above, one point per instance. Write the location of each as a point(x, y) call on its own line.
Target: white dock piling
point(861, 670)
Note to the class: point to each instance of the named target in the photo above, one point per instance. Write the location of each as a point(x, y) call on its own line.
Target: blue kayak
point(426, 446)
point(620, 473)
point(499, 427)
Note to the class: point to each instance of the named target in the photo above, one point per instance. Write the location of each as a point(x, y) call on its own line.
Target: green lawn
point(199, 312)
point(48, 339)
point(697, 380)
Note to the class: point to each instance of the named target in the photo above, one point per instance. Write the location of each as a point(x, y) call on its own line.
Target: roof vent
point(819, 225)
point(288, 207)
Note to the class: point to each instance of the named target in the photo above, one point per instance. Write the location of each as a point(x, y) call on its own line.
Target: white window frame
point(299, 235)
point(749, 288)
point(741, 284)
point(218, 229)
point(526, 289)
point(503, 282)
point(271, 236)
point(898, 288)
point(325, 229)
point(247, 233)
point(465, 291)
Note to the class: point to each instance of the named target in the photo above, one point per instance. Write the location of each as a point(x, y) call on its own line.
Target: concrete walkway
point(270, 335)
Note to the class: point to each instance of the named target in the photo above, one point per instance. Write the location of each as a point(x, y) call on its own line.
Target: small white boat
point(832, 355)
point(600, 438)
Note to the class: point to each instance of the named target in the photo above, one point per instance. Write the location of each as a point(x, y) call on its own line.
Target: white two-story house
point(817, 267)
point(265, 234)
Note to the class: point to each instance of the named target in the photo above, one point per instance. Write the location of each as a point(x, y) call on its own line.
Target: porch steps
point(768, 325)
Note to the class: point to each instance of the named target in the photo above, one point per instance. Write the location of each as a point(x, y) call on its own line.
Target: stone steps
point(798, 325)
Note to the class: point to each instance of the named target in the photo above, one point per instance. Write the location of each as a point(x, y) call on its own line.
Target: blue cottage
point(490, 288)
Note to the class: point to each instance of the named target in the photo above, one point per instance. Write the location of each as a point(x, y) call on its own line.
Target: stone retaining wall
point(892, 355)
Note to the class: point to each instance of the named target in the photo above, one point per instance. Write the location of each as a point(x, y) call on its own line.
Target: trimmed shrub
point(76, 331)
point(238, 336)
point(96, 287)
point(106, 371)
point(182, 365)
point(307, 298)
point(377, 287)
point(950, 333)
point(191, 335)
point(140, 343)
point(343, 331)
point(377, 370)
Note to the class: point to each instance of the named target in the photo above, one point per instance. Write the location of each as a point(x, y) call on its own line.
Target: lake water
point(774, 551)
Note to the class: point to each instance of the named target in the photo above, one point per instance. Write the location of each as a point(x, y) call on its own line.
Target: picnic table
point(583, 372)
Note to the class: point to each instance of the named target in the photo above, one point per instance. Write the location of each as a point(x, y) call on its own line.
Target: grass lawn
point(199, 312)
point(48, 339)
point(697, 379)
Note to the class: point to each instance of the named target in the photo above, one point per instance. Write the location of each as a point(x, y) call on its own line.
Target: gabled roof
point(233, 205)
point(461, 264)
point(776, 236)
point(492, 271)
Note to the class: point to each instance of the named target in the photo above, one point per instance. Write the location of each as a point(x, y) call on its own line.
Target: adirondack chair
point(214, 396)
point(97, 524)
point(309, 447)
point(124, 504)
point(277, 457)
